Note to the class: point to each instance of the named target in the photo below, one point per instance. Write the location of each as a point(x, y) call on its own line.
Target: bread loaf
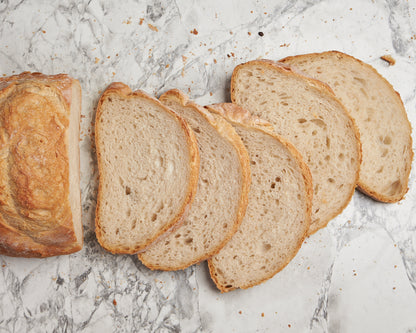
point(148, 165)
point(40, 201)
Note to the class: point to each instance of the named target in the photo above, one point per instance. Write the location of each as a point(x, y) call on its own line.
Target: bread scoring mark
point(34, 121)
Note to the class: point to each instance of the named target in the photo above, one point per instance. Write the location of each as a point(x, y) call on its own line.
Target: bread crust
point(238, 115)
point(120, 89)
point(324, 89)
point(36, 219)
point(228, 132)
point(366, 188)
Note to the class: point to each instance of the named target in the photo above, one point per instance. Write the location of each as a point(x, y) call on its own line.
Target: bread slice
point(306, 112)
point(148, 164)
point(279, 206)
point(379, 114)
point(221, 199)
point(40, 198)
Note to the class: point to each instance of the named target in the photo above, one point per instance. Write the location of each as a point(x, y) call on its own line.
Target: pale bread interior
point(315, 122)
point(276, 220)
point(145, 171)
point(213, 216)
point(380, 117)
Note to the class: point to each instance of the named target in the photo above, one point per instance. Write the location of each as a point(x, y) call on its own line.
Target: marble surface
point(357, 275)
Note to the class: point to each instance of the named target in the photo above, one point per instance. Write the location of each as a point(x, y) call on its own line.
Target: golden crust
point(228, 132)
point(365, 188)
point(325, 90)
point(35, 213)
point(238, 115)
point(120, 89)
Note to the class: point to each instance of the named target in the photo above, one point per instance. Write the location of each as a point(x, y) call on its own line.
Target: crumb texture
point(276, 220)
point(380, 117)
point(213, 216)
point(314, 121)
point(144, 163)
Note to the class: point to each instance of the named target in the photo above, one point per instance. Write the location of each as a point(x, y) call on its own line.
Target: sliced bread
point(379, 114)
point(306, 112)
point(221, 199)
point(279, 206)
point(148, 165)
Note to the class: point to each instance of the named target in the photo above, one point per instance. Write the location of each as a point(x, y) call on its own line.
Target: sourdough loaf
point(379, 114)
point(279, 206)
point(221, 197)
point(148, 165)
point(40, 200)
point(306, 112)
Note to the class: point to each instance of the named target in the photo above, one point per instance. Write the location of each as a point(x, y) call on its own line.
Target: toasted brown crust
point(237, 115)
point(120, 89)
point(35, 213)
point(365, 188)
point(228, 132)
point(324, 89)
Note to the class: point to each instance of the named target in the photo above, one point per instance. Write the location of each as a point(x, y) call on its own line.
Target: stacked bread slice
point(148, 162)
point(307, 113)
point(279, 206)
point(221, 198)
point(242, 184)
point(379, 114)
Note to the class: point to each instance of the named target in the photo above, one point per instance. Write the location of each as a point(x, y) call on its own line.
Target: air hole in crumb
point(314, 132)
point(327, 158)
point(380, 170)
point(133, 226)
point(316, 210)
point(177, 235)
point(110, 99)
point(253, 162)
point(128, 190)
point(277, 179)
point(188, 241)
point(154, 217)
point(385, 151)
point(341, 156)
point(273, 185)
point(117, 231)
point(395, 187)
point(225, 225)
point(197, 130)
point(387, 140)
point(331, 180)
point(328, 142)
point(302, 120)
point(319, 122)
point(266, 247)
point(228, 286)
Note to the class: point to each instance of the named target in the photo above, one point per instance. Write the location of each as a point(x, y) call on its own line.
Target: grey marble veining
point(357, 275)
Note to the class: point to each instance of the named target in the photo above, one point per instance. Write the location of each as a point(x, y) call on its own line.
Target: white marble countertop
point(357, 275)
